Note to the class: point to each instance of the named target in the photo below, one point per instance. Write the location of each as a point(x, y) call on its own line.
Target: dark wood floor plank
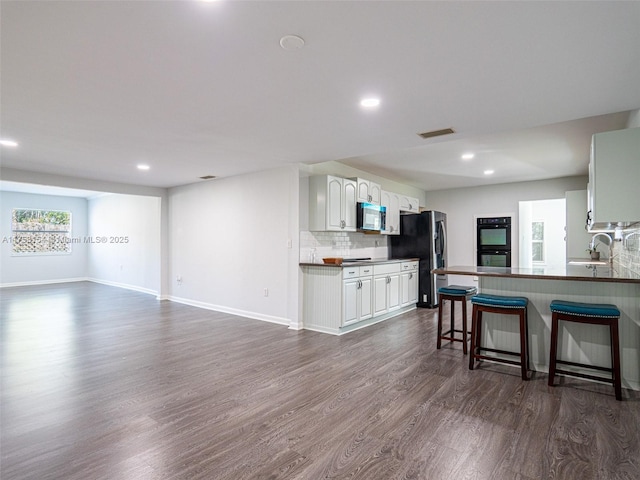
point(103, 383)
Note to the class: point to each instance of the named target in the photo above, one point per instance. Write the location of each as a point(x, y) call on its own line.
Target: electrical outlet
point(289, 243)
point(179, 279)
point(266, 292)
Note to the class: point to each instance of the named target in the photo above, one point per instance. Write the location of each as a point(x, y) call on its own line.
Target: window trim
point(66, 233)
point(541, 242)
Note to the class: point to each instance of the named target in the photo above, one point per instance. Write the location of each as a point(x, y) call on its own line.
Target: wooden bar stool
point(454, 293)
point(594, 314)
point(504, 306)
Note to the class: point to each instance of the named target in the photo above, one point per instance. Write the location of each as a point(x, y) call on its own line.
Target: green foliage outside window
point(40, 231)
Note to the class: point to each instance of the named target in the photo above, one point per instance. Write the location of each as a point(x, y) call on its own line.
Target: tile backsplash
point(341, 244)
point(629, 256)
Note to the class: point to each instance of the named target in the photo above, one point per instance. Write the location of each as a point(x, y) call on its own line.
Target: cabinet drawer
point(409, 266)
point(386, 268)
point(366, 271)
point(355, 272)
point(350, 272)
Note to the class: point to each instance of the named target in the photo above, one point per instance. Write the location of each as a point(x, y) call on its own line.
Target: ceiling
point(193, 88)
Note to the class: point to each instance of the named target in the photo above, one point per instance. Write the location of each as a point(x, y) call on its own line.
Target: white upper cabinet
point(614, 173)
point(332, 204)
point(409, 204)
point(392, 202)
point(368, 191)
point(577, 237)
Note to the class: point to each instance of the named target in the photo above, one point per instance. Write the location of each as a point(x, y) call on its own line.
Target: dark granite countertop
point(594, 272)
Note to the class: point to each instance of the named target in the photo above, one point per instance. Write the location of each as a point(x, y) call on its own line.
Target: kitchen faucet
point(610, 243)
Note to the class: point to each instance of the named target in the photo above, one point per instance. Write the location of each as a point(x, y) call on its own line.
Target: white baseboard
point(43, 282)
point(232, 311)
point(123, 285)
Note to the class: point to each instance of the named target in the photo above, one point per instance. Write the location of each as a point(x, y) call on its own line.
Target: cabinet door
point(614, 172)
point(380, 295)
point(366, 298)
point(392, 202)
point(363, 190)
point(368, 191)
point(413, 287)
point(349, 201)
point(350, 301)
point(335, 201)
point(393, 292)
point(409, 288)
point(405, 288)
point(375, 193)
point(409, 204)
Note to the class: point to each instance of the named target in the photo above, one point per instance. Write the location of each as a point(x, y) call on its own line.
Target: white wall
point(130, 257)
point(20, 270)
point(553, 214)
point(462, 205)
point(229, 242)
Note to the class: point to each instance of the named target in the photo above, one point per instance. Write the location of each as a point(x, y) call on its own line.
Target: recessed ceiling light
point(143, 167)
point(291, 42)
point(5, 142)
point(468, 156)
point(370, 102)
point(488, 172)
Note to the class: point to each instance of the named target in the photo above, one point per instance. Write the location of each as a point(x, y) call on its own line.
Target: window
point(40, 232)
point(537, 242)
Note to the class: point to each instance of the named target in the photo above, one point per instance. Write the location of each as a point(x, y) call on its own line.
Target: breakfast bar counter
point(576, 270)
point(587, 282)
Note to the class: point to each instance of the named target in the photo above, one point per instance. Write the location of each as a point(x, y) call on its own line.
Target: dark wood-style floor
point(104, 383)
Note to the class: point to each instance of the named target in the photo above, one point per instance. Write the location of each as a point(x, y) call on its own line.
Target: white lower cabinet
point(409, 283)
point(386, 288)
point(337, 300)
point(357, 294)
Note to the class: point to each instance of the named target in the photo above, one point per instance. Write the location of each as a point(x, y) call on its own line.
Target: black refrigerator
point(423, 236)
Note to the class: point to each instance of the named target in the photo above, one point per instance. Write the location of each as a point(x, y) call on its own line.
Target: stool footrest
point(495, 350)
point(584, 375)
point(496, 359)
point(584, 365)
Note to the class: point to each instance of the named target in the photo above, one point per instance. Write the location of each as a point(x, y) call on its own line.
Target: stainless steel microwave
point(371, 217)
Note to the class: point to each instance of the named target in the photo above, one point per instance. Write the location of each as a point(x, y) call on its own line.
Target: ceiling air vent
point(437, 133)
point(208, 177)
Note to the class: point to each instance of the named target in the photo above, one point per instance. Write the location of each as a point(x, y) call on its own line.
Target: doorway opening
point(542, 238)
